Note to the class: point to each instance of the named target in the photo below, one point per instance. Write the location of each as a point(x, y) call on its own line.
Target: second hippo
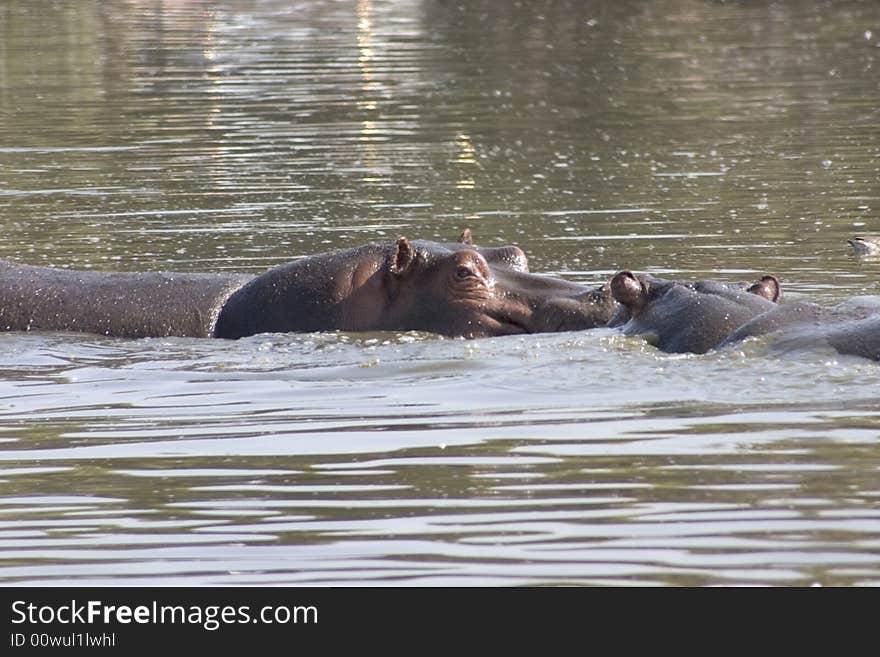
point(688, 317)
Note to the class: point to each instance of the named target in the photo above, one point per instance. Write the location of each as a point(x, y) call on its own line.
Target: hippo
point(851, 336)
point(687, 317)
point(800, 314)
point(850, 328)
point(857, 337)
point(446, 289)
point(451, 290)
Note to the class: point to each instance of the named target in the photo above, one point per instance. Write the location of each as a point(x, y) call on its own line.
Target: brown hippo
point(416, 285)
point(402, 285)
point(687, 317)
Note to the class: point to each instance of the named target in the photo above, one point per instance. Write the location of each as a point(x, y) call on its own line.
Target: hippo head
point(449, 291)
point(472, 293)
point(531, 302)
point(687, 316)
point(396, 286)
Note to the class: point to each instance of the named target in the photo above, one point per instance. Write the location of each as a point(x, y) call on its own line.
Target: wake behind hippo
point(404, 285)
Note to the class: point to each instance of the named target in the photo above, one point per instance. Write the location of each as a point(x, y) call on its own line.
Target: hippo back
point(124, 304)
point(858, 337)
point(799, 315)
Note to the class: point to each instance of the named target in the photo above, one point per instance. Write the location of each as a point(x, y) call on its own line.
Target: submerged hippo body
point(860, 337)
point(798, 314)
point(687, 317)
point(855, 337)
point(848, 328)
point(447, 289)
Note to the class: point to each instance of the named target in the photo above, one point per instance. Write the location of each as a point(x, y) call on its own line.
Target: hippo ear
point(466, 237)
point(627, 289)
point(403, 257)
point(768, 287)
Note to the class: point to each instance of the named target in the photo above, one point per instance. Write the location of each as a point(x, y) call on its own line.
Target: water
point(682, 137)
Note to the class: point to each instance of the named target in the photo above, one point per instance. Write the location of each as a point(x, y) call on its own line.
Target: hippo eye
point(463, 272)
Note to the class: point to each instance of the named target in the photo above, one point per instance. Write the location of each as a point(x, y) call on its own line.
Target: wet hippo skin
point(855, 337)
point(112, 303)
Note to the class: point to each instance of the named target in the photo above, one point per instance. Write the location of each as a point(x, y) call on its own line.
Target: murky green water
point(684, 137)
